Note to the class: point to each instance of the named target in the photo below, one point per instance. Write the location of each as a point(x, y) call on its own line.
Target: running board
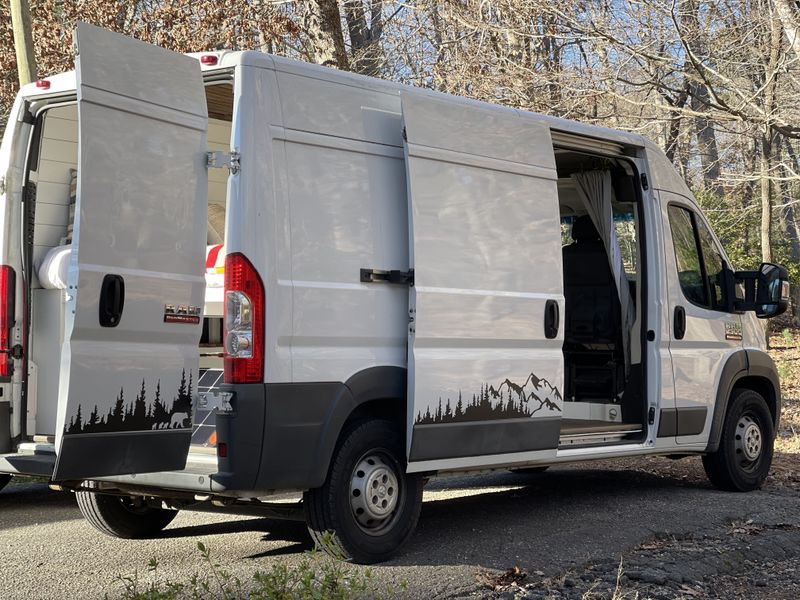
point(595, 438)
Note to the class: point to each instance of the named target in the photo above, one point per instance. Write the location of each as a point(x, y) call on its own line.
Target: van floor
point(579, 426)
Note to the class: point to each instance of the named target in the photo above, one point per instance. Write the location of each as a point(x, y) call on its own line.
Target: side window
point(701, 268)
point(715, 267)
point(687, 257)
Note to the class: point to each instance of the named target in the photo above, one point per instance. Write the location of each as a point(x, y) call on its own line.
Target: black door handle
point(679, 323)
point(112, 300)
point(550, 319)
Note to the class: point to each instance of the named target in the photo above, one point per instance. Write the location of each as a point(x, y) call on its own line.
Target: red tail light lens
point(244, 321)
point(8, 279)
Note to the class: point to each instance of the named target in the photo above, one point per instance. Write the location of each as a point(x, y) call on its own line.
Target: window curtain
point(595, 190)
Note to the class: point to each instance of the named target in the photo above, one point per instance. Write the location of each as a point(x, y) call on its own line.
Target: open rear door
point(485, 340)
point(129, 365)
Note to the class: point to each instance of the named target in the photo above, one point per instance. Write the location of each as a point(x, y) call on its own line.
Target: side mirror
point(766, 291)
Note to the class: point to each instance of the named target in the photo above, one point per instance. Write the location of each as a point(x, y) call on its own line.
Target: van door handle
point(112, 300)
point(679, 323)
point(550, 319)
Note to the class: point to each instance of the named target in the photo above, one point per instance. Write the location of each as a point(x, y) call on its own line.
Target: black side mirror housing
point(766, 291)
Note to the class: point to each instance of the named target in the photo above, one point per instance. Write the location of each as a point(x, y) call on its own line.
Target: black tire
point(121, 516)
point(332, 507)
point(530, 470)
point(4, 479)
point(735, 466)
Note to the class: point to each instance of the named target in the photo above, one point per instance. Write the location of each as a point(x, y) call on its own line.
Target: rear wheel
point(4, 479)
point(742, 461)
point(368, 501)
point(123, 516)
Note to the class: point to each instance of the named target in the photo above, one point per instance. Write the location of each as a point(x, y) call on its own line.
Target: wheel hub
point(749, 440)
point(374, 492)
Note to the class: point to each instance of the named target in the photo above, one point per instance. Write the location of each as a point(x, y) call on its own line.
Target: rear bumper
point(280, 436)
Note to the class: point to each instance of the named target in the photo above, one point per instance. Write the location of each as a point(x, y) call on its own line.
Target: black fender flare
point(302, 423)
point(741, 364)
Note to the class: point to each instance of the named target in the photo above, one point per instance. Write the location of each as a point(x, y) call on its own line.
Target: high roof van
point(229, 276)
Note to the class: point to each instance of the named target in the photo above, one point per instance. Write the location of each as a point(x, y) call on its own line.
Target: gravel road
point(567, 529)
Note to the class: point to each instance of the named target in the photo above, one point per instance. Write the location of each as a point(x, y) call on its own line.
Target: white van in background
point(413, 284)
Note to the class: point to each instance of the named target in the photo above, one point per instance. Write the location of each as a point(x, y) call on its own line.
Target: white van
point(413, 284)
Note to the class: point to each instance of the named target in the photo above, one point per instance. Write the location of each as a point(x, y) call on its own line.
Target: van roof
point(227, 59)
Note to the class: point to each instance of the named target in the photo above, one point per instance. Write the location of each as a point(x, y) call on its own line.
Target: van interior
point(604, 395)
point(48, 226)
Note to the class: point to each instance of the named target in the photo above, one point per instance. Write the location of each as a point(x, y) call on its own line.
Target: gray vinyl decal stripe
point(482, 438)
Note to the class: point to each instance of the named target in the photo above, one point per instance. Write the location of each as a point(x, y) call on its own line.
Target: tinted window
point(687, 257)
point(715, 267)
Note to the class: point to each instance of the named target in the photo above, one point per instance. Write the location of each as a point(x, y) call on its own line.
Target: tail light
point(7, 294)
point(244, 321)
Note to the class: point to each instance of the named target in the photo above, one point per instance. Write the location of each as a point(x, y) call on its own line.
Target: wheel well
point(391, 409)
point(764, 387)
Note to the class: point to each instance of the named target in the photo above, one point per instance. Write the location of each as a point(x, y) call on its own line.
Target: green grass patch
point(319, 575)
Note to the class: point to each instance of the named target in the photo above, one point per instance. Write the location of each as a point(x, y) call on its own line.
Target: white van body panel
point(129, 124)
point(482, 188)
point(340, 182)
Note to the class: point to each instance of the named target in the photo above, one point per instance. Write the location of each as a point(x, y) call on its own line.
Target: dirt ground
point(748, 561)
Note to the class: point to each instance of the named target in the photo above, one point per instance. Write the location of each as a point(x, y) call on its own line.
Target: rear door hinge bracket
point(382, 276)
point(217, 159)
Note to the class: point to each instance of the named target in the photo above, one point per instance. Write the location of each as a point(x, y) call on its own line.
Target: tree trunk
point(365, 39)
point(706, 140)
point(323, 24)
point(788, 18)
point(766, 200)
point(23, 41)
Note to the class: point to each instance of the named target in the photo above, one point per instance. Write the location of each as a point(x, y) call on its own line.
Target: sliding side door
point(485, 336)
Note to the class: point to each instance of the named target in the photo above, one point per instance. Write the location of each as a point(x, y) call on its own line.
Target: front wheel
point(368, 501)
point(742, 461)
point(122, 516)
point(4, 479)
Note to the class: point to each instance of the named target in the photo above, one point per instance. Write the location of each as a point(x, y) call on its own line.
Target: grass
point(318, 576)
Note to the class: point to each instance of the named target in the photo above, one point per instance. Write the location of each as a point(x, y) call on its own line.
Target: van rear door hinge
point(381, 276)
point(217, 159)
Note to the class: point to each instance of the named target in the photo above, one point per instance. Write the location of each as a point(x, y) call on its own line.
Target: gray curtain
point(595, 190)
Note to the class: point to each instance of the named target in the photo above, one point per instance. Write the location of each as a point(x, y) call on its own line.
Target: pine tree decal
point(507, 401)
point(140, 415)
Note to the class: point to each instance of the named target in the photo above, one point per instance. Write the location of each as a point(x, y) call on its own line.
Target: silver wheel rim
point(749, 440)
point(375, 492)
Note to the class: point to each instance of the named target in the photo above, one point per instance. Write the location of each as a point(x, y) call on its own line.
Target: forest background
point(715, 84)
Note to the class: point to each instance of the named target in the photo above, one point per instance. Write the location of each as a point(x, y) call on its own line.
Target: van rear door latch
point(381, 276)
point(217, 159)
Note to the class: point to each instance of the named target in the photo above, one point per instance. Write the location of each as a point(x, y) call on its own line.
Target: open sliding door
point(486, 368)
point(136, 281)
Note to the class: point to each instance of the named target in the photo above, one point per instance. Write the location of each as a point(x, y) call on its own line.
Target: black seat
point(592, 302)
point(592, 330)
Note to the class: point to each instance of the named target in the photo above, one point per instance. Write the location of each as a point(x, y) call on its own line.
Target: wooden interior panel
point(220, 102)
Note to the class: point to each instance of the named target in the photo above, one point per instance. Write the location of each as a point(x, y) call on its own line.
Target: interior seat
point(593, 311)
point(592, 329)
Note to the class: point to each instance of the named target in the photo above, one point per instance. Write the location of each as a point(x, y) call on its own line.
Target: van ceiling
point(220, 101)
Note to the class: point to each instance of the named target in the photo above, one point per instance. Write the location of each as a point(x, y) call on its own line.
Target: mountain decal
point(508, 400)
